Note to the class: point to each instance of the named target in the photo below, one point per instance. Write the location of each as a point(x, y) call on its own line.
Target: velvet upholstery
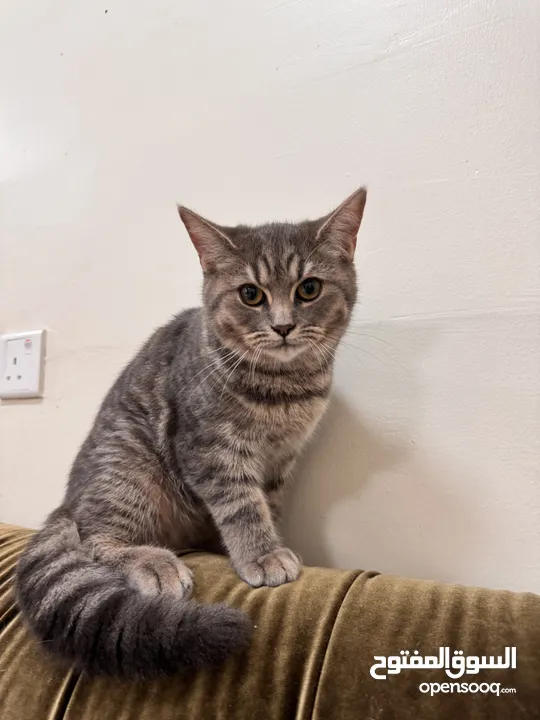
point(313, 644)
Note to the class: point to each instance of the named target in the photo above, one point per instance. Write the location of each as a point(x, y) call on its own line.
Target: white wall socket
point(21, 364)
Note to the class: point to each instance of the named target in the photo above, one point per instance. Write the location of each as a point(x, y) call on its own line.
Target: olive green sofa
point(312, 653)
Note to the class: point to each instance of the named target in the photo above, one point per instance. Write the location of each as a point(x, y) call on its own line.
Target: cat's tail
point(87, 613)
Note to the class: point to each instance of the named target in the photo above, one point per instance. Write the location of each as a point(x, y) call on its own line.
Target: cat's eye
point(309, 289)
point(252, 295)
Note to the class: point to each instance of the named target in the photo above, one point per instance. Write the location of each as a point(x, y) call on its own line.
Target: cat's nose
point(283, 330)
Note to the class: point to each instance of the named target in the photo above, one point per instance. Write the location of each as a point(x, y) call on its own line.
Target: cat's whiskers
point(351, 348)
point(210, 351)
point(315, 349)
point(329, 351)
point(216, 364)
point(388, 358)
point(354, 331)
point(253, 362)
point(255, 335)
point(237, 363)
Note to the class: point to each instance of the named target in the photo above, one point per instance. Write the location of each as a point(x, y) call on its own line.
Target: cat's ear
point(211, 241)
point(340, 227)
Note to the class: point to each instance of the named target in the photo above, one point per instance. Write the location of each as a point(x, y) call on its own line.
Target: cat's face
point(276, 292)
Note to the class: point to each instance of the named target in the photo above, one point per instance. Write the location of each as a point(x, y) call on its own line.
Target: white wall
point(429, 460)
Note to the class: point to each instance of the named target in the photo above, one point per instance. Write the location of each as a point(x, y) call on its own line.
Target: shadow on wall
point(365, 494)
point(344, 458)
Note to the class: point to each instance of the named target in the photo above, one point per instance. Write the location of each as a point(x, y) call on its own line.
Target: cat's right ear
point(211, 241)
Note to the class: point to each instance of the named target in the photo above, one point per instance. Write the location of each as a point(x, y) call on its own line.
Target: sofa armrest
point(313, 645)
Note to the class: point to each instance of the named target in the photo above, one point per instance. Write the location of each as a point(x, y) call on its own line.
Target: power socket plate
point(21, 364)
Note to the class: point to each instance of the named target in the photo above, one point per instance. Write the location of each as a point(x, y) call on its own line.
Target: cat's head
point(276, 291)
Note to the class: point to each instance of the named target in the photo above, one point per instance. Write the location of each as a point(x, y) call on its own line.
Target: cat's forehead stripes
point(293, 266)
point(287, 265)
point(263, 270)
point(252, 275)
point(266, 269)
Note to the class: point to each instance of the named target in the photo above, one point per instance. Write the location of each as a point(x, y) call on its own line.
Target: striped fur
point(192, 447)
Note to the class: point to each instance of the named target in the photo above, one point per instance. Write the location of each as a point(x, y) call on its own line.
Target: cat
point(192, 448)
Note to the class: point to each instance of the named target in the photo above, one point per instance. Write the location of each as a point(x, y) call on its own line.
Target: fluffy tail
point(88, 614)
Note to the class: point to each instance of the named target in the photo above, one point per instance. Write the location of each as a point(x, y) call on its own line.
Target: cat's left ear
point(341, 226)
point(211, 241)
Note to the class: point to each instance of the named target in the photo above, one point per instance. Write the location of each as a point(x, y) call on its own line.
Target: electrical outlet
point(21, 364)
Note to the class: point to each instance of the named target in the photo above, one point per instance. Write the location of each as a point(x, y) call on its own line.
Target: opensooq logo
point(455, 665)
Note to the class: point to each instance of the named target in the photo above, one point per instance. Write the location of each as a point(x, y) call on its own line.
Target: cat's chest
point(283, 431)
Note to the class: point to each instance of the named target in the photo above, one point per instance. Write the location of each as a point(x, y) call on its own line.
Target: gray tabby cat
point(192, 448)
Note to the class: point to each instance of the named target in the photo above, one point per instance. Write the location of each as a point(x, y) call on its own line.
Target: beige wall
point(429, 460)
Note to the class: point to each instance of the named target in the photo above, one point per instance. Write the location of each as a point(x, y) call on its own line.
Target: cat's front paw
point(275, 568)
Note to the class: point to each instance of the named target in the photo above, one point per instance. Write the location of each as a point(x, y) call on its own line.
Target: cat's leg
point(275, 485)
point(242, 515)
point(126, 515)
point(151, 569)
point(275, 490)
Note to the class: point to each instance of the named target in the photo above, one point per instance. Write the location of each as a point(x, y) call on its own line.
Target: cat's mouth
point(286, 350)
